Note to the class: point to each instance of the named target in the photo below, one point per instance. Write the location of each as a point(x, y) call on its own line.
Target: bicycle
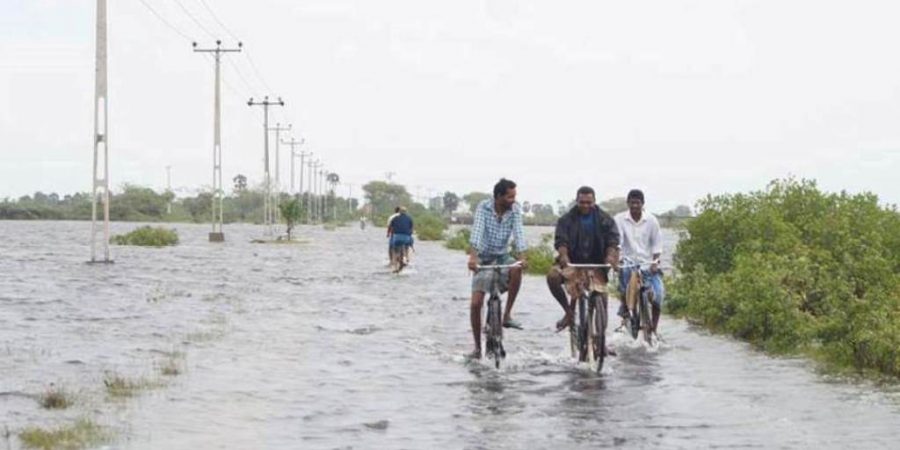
point(587, 336)
point(399, 256)
point(639, 298)
point(493, 326)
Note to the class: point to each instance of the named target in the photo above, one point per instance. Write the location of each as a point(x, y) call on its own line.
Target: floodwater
point(317, 345)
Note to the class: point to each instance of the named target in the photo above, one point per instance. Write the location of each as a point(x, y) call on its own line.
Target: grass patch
point(83, 433)
point(459, 240)
point(147, 237)
point(55, 398)
point(121, 387)
point(170, 368)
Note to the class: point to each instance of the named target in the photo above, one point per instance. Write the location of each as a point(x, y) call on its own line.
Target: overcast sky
point(680, 98)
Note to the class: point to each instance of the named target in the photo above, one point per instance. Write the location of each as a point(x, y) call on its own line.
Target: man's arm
point(476, 238)
point(519, 234)
point(561, 242)
point(655, 245)
point(612, 239)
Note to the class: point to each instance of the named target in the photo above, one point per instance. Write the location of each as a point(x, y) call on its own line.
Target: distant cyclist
point(497, 221)
point(584, 235)
point(390, 232)
point(642, 244)
point(401, 230)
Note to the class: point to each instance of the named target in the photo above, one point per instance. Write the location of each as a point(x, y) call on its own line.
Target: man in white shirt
point(641, 243)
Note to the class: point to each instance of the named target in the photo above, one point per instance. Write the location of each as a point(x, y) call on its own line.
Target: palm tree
point(333, 179)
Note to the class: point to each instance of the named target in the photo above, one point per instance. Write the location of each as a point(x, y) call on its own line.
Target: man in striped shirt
point(497, 221)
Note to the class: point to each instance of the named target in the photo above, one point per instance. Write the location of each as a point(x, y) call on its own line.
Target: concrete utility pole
point(169, 188)
point(101, 144)
point(277, 199)
point(349, 198)
point(268, 214)
point(218, 200)
point(323, 203)
point(294, 144)
point(310, 169)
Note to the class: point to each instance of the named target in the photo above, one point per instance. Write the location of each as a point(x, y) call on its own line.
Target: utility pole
point(101, 143)
point(349, 199)
point(278, 129)
point(218, 200)
point(390, 176)
point(311, 168)
point(267, 205)
point(169, 188)
point(294, 144)
point(323, 204)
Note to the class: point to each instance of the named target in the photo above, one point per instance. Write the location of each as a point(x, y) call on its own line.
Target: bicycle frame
point(493, 327)
point(587, 336)
point(639, 298)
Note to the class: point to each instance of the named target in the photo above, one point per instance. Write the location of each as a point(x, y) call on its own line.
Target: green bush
point(148, 237)
point(793, 269)
point(540, 257)
point(430, 227)
point(459, 240)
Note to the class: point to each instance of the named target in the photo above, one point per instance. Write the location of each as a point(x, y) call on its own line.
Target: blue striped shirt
point(491, 234)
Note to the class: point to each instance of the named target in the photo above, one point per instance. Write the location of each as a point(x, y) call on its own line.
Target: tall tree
point(474, 198)
point(383, 196)
point(451, 202)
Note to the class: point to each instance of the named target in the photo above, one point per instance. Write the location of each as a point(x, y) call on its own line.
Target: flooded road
point(317, 345)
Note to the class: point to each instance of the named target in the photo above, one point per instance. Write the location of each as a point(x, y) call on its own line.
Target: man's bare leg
point(555, 283)
point(475, 317)
point(515, 282)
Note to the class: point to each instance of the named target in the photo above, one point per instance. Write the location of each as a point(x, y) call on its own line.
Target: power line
point(205, 30)
point(166, 22)
point(216, 18)
point(242, 77)
point(258, 74)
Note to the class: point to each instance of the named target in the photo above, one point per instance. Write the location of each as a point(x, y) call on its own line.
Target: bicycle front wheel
point(600, 321)
point(646, 321)
point(495, 331)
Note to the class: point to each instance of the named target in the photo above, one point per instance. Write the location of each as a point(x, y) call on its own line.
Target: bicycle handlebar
point(589, 266)
point(499, 266)
point(628, 264)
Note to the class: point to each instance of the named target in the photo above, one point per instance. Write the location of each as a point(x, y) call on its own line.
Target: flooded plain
point(318, 345)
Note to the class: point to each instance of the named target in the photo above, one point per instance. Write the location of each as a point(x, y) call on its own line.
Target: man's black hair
point(503, 186)
point(635, 193)
point(396, 209)
point(585, 190)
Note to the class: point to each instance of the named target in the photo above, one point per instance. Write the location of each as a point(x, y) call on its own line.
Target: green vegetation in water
point(459, 240)
point(118, 386)
point(84, 433)
point(430, 227)
point(291, 214)
point(171, 367)
point(540, 257)
point(55, 398)
point(148, 237)
point(794, 270)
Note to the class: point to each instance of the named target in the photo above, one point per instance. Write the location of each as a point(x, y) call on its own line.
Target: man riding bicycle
point(496, 221)
point(400, 230)
point(641, 244)
point(584, 235)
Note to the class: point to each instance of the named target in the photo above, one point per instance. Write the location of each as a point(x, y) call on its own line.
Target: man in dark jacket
point(584, 235)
